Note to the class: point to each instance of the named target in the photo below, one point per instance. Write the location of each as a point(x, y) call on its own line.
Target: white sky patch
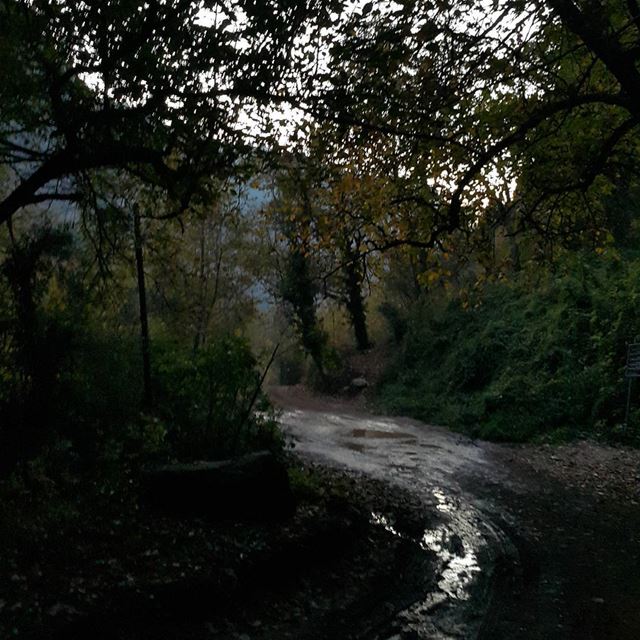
point(93, 80)
point(205, 18)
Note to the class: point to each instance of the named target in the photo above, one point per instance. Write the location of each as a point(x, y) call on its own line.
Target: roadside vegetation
point(540, 354)
point(435, 202)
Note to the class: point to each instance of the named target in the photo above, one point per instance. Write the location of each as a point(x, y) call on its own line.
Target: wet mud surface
point(578, 553)
point(519, 553)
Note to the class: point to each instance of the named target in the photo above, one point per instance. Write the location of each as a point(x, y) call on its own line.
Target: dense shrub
point(540, 355)
point(206, 405)
point(71, 381)
point(395, 319)
point(206, 400)
point(103, 392)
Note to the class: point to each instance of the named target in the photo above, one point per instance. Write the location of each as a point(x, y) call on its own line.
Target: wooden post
point(144, 317)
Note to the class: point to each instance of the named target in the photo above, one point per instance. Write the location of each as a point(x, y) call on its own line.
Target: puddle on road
point(361, 447)
point(459, 559)
point(383, 521)
point(455, 542)
point(456, 551)
point(445, 504)
point(376, 433)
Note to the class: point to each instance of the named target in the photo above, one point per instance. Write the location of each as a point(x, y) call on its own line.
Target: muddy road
point(522, 553)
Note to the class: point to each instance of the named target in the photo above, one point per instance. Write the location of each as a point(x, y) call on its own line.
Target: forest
point(223, 221)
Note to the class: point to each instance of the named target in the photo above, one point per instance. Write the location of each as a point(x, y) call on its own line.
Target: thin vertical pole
point(144, 318)
point(626, 415)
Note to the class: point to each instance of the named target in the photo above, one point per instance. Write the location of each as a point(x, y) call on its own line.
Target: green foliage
point(103, 391)
point(299, 291)
point(127, 117)
point(291, 367)
point(71, 379)
point(395, 319)
point(206, 397)
point(541, 356)
point(35, 339)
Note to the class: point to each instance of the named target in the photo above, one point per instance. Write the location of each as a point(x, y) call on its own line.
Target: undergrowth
point(540, 356)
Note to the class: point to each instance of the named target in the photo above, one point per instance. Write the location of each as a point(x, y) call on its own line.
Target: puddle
point(383, 521)
point(456, 542)
point(456, 554)
point(460, 538)
point(375, 433)
point(445, 504)
point(457, 551)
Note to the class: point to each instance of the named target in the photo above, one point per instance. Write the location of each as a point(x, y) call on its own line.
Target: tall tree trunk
point(355, 304)
point(298, 289)
point(144, 317)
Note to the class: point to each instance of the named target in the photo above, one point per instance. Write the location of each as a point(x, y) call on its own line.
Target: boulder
point(253, 487)
point(357, 384)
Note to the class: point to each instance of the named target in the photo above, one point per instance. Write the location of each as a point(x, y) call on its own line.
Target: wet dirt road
point(521, 556)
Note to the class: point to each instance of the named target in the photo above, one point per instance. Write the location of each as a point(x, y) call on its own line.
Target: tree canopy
point(168, 92)
point(457, 101)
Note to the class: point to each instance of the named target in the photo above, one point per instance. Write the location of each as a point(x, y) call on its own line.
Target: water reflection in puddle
point(455, 542)
point(460, 537)
point(444, 504)
point(383, 521)
point(457, 554)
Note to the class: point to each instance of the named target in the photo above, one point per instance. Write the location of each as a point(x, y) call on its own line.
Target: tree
point(354, 273)
point(35, 344)
point(541, 95)
point(297, 281)
point(204, 267)
point(348, 208)
point(168, 93)
point(175, 93)
point(145, 343)
point(300, 293)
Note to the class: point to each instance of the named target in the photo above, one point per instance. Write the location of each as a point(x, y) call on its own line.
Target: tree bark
point(355, 304)
point(147, 397)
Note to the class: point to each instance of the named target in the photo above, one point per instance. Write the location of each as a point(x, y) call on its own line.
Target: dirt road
point(532, 545)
